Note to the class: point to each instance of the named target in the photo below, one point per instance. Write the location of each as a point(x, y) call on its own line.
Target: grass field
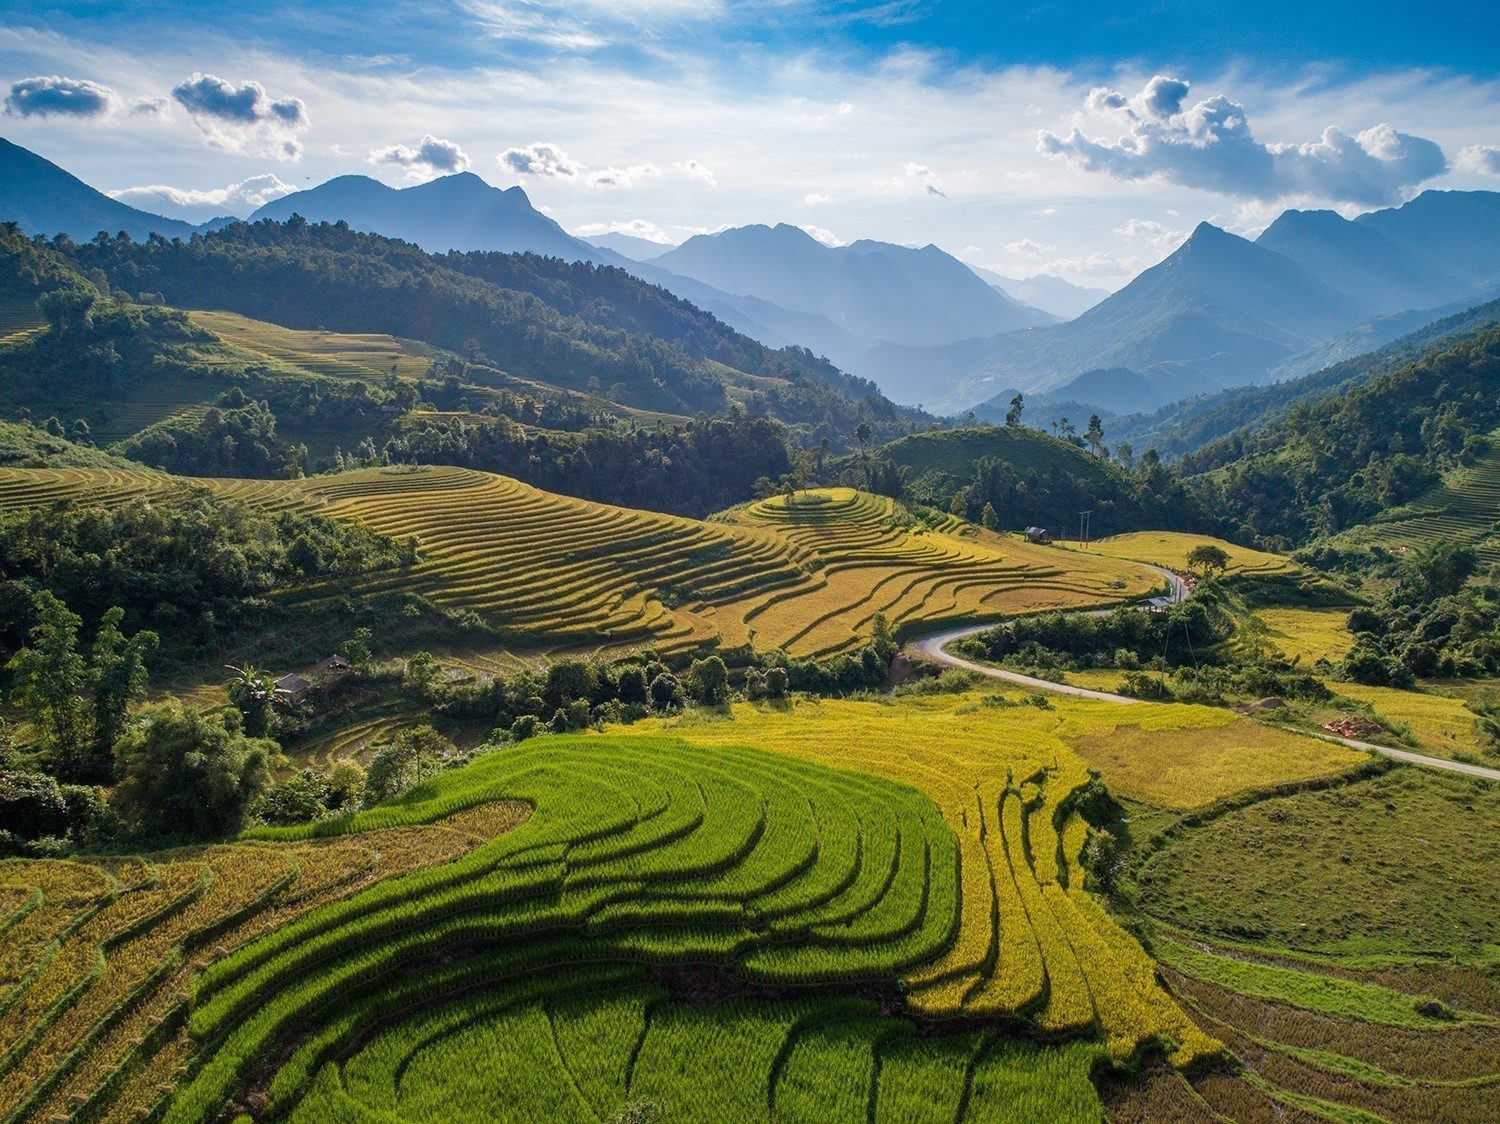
point(1191, 766)
point(1308, 635)
point(1347, 953)
point(1440, 725)
point(552, 571)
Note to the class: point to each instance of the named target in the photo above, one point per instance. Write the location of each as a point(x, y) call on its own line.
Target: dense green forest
point(1340, 461)
point(1011, 477)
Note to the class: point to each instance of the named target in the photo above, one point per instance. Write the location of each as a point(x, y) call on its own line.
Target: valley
point(454, 670)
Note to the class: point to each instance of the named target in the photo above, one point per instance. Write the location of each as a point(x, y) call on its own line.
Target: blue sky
point(1083, 140)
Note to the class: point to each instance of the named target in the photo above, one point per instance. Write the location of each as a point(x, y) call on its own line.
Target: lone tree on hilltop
point(1013, 415)
point(1208, 558)
point(1094, 435)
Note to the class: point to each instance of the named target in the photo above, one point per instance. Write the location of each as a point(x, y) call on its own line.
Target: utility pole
point(1083, 535)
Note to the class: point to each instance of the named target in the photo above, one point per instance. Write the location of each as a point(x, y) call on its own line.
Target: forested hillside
point(571, 325)
point(1185, 426)
point(531, 367)
point(1341, 461)
point(1011, 477)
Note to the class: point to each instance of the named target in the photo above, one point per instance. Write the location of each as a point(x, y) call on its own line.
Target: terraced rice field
point(368, 356)
point(98, 959)
point(1464, 508)
point(1030, 941)
point(807, 577)
point(489, 944)
point(19, 320)
point(551, 1050)
point(1170, 549)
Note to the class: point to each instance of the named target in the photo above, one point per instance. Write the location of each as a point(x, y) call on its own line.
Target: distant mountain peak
point(46, 199)
point(1207, 233)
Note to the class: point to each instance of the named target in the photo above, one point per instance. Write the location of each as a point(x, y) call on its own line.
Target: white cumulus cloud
point(696, 171)
point(539, 159)
point(433, 156)
point(193, 205)
point(825, 236)
point(243, 119)
point(1209, 145)
point(1481, 158)
point(56, 96)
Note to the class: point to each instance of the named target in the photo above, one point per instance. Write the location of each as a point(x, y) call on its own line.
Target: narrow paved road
point(934, 646)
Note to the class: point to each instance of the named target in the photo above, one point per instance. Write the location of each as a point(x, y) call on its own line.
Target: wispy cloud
point(636, 228)
point(199, 206)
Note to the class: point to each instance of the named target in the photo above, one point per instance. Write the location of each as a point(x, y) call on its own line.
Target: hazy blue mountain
point(628, 245)
point(44, 199)
point(1380, 275)
point(874, 291)
point(1187, 425)
point(1062, 299)
point(1457, 232)
point(1218, 312)
point(458, 212)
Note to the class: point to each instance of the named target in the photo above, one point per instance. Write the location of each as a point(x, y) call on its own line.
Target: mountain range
point(1312, 290)
point(1220, 312)
point(778, 285)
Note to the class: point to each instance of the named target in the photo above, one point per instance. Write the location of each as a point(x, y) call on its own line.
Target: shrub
point(184, 772)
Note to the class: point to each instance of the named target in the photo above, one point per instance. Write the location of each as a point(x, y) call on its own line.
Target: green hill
point(1026, 476)
point(955, 452)
point(575, 326)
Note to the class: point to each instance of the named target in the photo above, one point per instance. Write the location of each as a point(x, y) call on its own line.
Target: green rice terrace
point(1465, 508)
point(573, 951)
